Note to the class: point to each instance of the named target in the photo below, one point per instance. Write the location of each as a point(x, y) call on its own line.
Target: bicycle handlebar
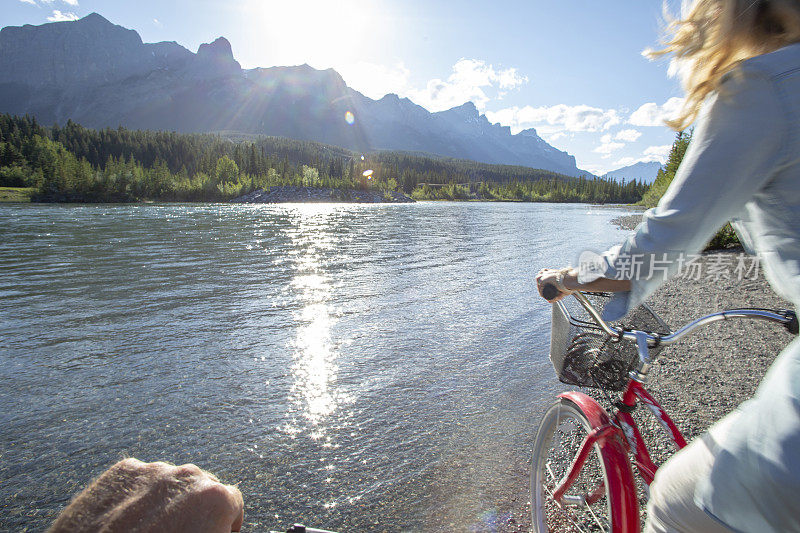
point(785, 317)
point(550, 291)
point(300, 528)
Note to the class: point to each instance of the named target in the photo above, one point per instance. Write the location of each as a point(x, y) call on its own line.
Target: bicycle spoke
point(550, 471)
point(600, 523)
point(563, 510)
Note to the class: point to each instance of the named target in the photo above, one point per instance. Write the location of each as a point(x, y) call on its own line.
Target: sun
point(322, 33)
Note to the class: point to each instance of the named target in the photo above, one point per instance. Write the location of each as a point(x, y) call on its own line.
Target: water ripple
point(360, 367)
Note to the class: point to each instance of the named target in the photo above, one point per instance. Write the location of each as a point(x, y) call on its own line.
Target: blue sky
point(571, 69)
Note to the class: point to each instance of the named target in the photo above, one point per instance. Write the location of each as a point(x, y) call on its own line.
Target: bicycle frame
point(623, 426)
point(633, 438)
point(619, 436)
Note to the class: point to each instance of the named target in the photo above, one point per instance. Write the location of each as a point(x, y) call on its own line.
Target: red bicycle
point(581, 477)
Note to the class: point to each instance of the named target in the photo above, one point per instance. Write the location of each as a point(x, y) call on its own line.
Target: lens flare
point(362, 157)
point(367, 174)
point(350, 118)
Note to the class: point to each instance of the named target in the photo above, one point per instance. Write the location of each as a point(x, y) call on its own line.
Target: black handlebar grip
point(550, 291)
point(300, 528)
point(792, 324)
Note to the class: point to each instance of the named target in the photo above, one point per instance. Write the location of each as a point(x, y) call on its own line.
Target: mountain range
point(644, 172)
point(100, 74)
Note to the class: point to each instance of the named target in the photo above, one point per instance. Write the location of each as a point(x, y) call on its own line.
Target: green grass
point(16, 194)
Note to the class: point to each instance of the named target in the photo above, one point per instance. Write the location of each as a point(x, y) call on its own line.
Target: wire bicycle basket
point(584, 355)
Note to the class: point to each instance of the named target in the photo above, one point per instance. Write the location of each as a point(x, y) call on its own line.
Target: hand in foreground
point(549, 276)
point(133, 496)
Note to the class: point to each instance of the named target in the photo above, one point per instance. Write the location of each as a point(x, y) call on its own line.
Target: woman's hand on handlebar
point(548, 279)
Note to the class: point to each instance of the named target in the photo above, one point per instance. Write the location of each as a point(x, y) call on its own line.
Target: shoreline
point(285, 194)
point(295, 194)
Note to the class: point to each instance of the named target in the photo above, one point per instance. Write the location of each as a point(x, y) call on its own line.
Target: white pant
point(672, 508)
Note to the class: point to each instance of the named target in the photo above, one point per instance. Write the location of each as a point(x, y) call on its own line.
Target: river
point(354, 367)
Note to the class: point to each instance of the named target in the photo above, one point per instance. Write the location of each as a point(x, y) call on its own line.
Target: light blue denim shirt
point(742, 165)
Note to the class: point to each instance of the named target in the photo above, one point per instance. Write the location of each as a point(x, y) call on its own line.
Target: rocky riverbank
point(628, 222)
point(290, 194)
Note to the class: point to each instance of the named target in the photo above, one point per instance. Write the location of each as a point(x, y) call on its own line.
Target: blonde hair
point(716, 35)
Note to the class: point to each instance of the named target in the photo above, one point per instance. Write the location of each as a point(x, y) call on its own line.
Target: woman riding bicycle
point(740, 61)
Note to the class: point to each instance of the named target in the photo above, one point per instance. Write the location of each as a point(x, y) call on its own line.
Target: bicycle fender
point(625, 512)
point(597, 415)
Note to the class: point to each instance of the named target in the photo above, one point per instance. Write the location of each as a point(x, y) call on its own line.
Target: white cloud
point(471, 80)
point(474, 72)
point(375, 80)
point(625, 162)
point(653, 153)
point(659, 151)
point(556, 136)
point(595, 169)
point(607, 148)
point(557, 118)
point(651, 114)
point(73, 3)
point(58, 16)
point(510, 79)
point(628, 135)
point(468, 82)
point(31, 2)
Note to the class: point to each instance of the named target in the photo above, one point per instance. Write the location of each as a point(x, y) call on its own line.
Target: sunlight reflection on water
point(313, 395)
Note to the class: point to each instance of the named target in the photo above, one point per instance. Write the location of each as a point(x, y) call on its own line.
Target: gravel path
point(705, 376)
point(709, 373)
point(628, 222)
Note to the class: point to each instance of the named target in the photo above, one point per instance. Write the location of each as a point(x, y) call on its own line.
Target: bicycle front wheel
point(589, 504)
